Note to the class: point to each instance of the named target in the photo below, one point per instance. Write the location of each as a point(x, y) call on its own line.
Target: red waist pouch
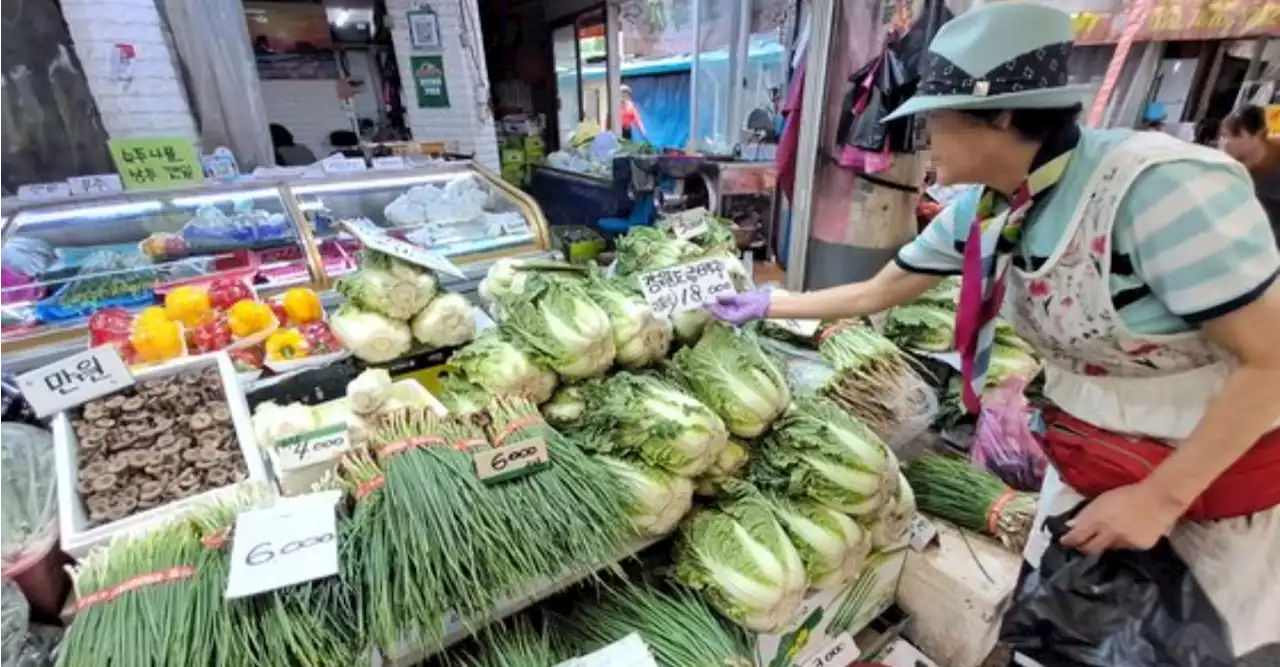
point(1093, 461)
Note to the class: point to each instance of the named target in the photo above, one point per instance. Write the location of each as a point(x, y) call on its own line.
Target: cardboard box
point(826, 617)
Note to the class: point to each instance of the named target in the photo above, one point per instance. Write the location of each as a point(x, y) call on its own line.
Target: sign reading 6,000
point(265, 552)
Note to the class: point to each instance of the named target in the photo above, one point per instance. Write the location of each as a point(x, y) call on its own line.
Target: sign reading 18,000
point(687, 286)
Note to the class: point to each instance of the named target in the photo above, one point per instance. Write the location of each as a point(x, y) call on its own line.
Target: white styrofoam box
point(77, 537)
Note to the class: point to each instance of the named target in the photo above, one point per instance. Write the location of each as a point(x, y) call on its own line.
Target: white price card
point(389, 163)
point(630, 651)
point(802, 328)
point(375, 237)
point(921, 532)
point(688, 224)
point(98, 184)
point(37, 192)
point(74, 380)
point(840, 652)
point(344, 165)
point(687, 286)
point(510, 461)
point(284, 545)
point(304, 449)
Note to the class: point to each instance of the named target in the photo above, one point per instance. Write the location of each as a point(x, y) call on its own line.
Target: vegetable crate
point(828, 615)
point(78, 537)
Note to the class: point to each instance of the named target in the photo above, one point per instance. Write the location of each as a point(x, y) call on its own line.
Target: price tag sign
point(98, 184)
point(38, 192)
point(687, 286)
point(74, 380)
point(311, 447)
point(389, 163)
point(630, 651)
point(511, 461)
point(802, 328)
point(921, 532)
point(839, 653)
point(374, 237)
point(344, 165)
point(689, 224)
point(284, 545)
point(158, 162)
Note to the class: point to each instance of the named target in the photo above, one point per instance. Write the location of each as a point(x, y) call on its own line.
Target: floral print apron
point(1153, 385)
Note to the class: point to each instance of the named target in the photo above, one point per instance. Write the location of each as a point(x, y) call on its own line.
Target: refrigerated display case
point(64, 261)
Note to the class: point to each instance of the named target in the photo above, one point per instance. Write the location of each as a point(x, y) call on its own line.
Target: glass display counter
point(62, 262)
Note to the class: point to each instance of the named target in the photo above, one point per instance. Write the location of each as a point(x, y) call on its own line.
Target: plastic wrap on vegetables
point(29, 488)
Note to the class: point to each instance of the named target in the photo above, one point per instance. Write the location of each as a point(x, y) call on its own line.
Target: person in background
point(1244, 137)
point(631, 116)
point(1154, 117)
point(288, 152)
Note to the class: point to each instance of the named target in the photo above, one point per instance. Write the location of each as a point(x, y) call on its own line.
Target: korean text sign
point(156, 162)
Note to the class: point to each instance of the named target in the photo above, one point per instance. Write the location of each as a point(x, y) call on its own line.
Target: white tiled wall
point(464, 124)
point(153, 103)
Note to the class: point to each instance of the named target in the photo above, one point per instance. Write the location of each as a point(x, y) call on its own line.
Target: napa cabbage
point(738, 555)
point(651, 419)
point(560, 326)
point(729, 372)
point(501, 367)
point(659, 499)
point(640, 335)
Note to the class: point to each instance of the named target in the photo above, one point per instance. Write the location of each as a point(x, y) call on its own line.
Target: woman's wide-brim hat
point(1008, 55)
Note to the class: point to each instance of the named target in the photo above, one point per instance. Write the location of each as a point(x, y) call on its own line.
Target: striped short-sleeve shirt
point(1190, 241)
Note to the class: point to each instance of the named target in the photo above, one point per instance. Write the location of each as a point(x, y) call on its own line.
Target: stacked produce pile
point(391, 303)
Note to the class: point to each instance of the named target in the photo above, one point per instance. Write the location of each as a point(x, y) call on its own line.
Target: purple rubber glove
point(738, 309)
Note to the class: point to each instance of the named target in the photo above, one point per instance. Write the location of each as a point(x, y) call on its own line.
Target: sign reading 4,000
point(687, 286)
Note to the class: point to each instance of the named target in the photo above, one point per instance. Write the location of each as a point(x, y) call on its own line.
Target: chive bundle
point(950, 487)
point(141, 603)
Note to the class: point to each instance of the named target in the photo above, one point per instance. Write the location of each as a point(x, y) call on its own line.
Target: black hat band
point(1045, 67)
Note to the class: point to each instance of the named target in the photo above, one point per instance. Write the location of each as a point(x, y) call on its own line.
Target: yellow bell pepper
point(247, 317)
point(302, 305)
point(151, 314)
point(188, 305)
point(287, 344)
point(157, 340)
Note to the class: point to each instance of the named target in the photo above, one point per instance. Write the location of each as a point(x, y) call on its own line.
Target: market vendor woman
point(1142, 269)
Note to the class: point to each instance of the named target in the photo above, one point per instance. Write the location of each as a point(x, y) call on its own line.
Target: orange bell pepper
point(247, 317)
point(302, 305)
point(157, 340)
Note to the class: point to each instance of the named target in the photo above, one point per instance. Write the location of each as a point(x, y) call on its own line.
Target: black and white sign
point(99, 184)
point(39, 192)
point(921, 532)
point(630, 651)
point(74, 380)
point(516, 460)
point(839, 653)
point(290, 543)
point(311, 447)
point(687, 286)
point(389, 163)
point(343, 165)
point(688, 224)
point(375, 237)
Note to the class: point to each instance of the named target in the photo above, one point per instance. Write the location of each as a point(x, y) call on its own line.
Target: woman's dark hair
point(1248, 120)
point(1031, 124)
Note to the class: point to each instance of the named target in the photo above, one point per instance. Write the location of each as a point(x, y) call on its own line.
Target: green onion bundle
point(950, 487)
point(516, 642)
point(446, 546)
point(676, 623)
point(141, 601)
point(874, 380)
point(584, 508)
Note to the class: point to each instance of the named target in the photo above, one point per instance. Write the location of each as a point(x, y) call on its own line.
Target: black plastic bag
point(1117, 609)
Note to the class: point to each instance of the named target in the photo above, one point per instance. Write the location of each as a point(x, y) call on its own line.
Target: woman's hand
point(1130, 517)
point(738, 309)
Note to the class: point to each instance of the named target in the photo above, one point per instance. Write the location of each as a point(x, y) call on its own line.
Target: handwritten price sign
point(311, 447)
point(687, 286)
point(74, 380)
point(373, 236)
point(293, 542)
point(503, 463)
point(688, 224)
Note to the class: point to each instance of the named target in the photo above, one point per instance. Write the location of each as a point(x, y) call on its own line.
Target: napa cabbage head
point(501, 367)
point(651, 419)
point(561, 327)
point(730, 372)
point(894, 520)
point(649, 248)
point(832, 546)
point(565, 407)
point(820, 452)
point(740, 558)
point(922, 326)
point(507, 276)
point(640, 335)
point(659, 499)
point(729, 465)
